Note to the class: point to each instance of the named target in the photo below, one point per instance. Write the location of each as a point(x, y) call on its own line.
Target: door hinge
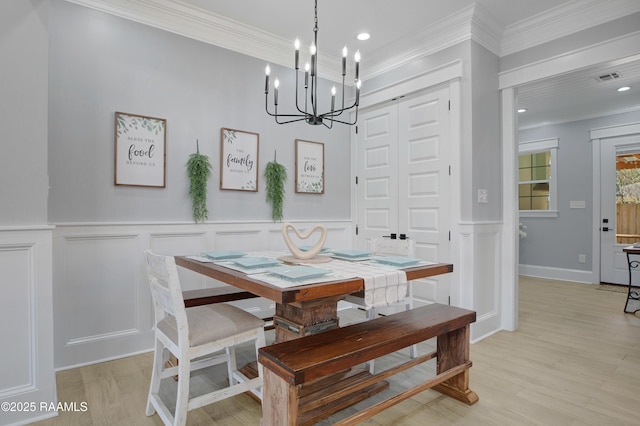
point(449, 105)
point(356, 229)
point(449, 169)
point(356, 130)
point(449, 302)
point(356, 180)
point(449, 235)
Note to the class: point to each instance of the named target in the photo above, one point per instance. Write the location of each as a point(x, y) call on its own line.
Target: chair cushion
point(209, 323)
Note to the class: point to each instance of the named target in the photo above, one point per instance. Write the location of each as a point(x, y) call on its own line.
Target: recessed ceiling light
point(521, 110)
point(363, 36)
point(624, 88)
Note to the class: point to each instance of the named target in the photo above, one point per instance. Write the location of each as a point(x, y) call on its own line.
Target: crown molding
point(188, 21)
point(562, 21)
point(445, 33)
point(472, 22)
point(185, 20)
point(486, 30)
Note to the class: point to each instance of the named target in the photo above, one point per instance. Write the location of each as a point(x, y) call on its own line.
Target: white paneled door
point(403, 179)
point(613, 185)
point(378, 187)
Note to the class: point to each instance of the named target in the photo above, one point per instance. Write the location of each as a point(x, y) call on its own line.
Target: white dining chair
point(388, 247)
point(208, 333)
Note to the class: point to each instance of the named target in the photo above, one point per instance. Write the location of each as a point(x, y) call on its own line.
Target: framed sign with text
point(309, 167)
point(140, 150)
point(239, 160)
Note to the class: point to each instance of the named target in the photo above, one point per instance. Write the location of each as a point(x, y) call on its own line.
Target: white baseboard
point(561, 274)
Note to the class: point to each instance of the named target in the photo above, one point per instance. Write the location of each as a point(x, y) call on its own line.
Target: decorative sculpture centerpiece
point(305, 256)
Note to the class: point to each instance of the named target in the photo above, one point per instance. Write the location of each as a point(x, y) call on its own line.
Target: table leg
point(453, 350)
point(295, 320)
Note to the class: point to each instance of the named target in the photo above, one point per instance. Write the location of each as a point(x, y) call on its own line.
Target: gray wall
point(557, 242)
point(101, 64)
point(486, 139)
point(23, 112)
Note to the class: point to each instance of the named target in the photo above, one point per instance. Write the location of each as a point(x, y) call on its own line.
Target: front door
point(619, 205)
point(403, 180)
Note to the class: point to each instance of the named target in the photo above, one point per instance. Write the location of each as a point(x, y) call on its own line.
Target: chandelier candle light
point(310, 115)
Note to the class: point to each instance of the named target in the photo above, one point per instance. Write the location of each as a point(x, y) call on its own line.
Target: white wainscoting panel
point(102, 304)
point(479, 268)
point(16, 264)
point(27, 374)
point(241, 239)
point(180, 243)
point(94, 289)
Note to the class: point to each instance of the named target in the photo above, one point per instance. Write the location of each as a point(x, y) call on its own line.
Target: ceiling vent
point(608, 77)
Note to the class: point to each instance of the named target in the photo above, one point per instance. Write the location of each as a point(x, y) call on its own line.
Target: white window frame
point(533, 147)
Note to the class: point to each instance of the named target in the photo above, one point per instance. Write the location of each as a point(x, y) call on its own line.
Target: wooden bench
point(312, 377)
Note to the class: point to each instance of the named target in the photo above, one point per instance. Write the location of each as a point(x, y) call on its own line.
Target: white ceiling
point(339, 21)
point(566, 98)
point(271, 26)
point(581, 95)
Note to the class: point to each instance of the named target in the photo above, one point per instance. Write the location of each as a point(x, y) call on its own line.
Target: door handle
point(394, 236)
point(605, 229)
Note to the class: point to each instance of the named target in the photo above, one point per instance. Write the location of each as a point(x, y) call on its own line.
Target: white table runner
point(384, 284)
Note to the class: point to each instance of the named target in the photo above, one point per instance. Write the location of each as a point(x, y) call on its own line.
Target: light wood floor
point(575, 360)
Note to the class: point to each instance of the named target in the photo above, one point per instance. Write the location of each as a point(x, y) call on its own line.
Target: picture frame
point(140, 150)
point(239, 160)
point(309, 167)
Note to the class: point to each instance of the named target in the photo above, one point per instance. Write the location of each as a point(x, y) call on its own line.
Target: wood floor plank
point(575, 360)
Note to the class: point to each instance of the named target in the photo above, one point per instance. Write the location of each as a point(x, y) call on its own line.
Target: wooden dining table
point(305, 309)
point(309, 309)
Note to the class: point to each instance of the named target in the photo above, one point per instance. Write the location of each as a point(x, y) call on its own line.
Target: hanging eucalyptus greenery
point(199, 171)
point(276, 176)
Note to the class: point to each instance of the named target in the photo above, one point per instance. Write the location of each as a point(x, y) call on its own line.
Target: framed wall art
point(239, 160)
point(309, 167)
point(140, 150)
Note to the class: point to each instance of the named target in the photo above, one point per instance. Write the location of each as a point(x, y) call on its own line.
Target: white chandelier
point(310, 111)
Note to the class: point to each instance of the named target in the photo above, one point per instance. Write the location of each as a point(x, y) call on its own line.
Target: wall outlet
point(582, 258)
point(482, 196)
